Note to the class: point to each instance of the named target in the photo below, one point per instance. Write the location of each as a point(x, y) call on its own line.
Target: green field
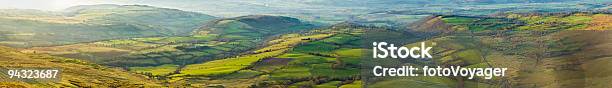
point(260, 51)
point(157, 70)
point(230, 65)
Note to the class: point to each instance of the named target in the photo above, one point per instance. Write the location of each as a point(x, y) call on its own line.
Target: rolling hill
point(256, 25)
point(540, 50)
point(27, 28)
point(74, 73)
point(217, 39)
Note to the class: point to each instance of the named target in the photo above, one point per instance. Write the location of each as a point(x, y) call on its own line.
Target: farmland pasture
point(225, 66)
point(230, 65)
point(161, 70)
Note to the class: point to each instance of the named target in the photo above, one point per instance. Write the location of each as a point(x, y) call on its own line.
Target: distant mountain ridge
point(178, 22)
point(260, 24)
point(93, 23)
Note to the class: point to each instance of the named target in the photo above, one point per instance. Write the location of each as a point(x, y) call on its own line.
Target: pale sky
point(52, 5)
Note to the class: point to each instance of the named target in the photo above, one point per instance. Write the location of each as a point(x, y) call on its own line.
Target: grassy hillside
point(225, 66)
point(26, 28)
point(223, 38)
point(74, 73)
point(448, 24)
point(253, 26)
point(540, 50)
point(326, 58)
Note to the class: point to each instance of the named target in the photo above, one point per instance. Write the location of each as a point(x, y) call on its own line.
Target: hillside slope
point(218, 39)
point(540, 50)
point(74, 73)
point(26, 28)
point(253, 25)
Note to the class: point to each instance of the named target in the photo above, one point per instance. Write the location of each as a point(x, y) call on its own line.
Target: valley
point(109, 45)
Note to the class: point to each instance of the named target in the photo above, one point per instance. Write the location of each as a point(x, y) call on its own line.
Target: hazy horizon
point(231, 8)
